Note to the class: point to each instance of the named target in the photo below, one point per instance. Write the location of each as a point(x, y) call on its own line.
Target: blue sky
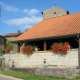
point(23, 14)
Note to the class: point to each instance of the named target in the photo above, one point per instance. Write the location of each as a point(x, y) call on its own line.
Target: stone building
point(11, 36)
point(57, 25)
point(2, 42)
point(54, 12)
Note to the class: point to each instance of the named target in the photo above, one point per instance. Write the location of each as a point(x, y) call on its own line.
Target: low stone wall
point(56, 72)
point(40, 58)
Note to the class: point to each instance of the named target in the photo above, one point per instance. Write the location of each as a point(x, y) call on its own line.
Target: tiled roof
point(11, 34)
point(58, 26)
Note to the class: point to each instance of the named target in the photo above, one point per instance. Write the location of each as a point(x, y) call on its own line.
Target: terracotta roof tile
point(12, 34)
point(63, 25)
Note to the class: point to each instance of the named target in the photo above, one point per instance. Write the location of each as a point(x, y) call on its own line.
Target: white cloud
point(25, 27)
point(25, 22)
point(25, 10)
point(33, 11)
point(8, 7)
point(11, 8)
point(14, 9)
point(22, 21)
point(36, 19)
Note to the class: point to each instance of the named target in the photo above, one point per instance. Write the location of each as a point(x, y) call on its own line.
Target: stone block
point(75, 59)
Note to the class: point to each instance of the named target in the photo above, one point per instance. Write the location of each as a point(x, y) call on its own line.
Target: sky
point(23, 14)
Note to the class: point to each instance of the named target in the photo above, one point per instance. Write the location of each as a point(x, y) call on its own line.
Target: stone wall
point(56, 72)
point(54, 12)
point(2, 42)
point(37, 59)
point(10, 38)
point(15, 49)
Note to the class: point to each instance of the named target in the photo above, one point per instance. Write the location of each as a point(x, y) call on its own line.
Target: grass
point(24, 76)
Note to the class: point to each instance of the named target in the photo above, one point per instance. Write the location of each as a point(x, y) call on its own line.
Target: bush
point(9, 47)
point(27, 50)
point(1, 52)
point(60, 48)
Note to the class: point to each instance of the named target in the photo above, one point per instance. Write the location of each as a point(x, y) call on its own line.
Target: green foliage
point(9, 45)
point(1, 52)
point(33, 47)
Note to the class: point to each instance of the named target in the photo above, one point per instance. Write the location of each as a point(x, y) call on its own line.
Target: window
point(55, 14)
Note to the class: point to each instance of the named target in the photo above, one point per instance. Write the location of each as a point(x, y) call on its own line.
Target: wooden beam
point(76, 40)
point(79, 55)
point(21, 44)
point(18, 47)
point(45, 46)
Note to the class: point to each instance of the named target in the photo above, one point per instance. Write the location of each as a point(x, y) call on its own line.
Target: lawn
point(24, 76)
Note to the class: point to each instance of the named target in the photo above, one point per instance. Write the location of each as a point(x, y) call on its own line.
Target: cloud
point(14, 9)
point(24, 22)
point(25, 27)
point(31, 12)
point(25, 10)
point(11, 8)
point(8, 7)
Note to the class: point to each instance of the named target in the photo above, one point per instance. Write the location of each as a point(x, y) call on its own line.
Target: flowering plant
point(9, 46)
point(60, 47)
point(6, 50)
point(27, 50)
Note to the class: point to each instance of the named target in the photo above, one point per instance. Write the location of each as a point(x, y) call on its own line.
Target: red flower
point(6, 49)
point(27, 50)
point(60, 47)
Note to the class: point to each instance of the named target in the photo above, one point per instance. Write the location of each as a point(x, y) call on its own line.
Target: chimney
point(18, 32)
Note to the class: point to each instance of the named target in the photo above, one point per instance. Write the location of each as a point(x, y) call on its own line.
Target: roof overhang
point(47, 38)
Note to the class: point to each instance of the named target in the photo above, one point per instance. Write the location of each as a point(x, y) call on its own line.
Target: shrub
point(1, 52)
point(60, 48)
point(7, 50)
point(27, 50)
point(9, 46)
